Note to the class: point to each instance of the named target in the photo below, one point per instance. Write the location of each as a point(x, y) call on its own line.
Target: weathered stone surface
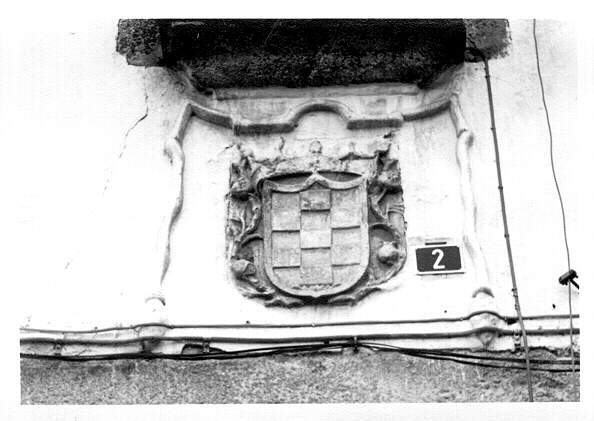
point(217, 53)
point(488, 35)
point(313, 378)
point(140, 39)
point(297, 53)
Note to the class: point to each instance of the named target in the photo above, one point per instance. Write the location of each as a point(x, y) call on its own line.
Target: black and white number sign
point(438, 259)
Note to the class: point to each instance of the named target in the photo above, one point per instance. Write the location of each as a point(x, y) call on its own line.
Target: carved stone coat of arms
point(315, 229)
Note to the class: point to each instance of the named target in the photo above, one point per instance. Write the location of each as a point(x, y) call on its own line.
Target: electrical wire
point(467, 359)
point(478, 52)
point(450, 357)
point(544, 103)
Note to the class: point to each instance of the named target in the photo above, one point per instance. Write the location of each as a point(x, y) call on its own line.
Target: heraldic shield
point(315, 229)
point(316, 235)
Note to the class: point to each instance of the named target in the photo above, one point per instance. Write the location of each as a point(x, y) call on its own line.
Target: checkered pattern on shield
point(317, 236)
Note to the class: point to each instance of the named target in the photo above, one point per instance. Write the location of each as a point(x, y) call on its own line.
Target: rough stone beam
point(223, 53)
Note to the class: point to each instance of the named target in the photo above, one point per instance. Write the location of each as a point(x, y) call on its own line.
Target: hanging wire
point(480, 54)
point(473, 359)
point(544, 103)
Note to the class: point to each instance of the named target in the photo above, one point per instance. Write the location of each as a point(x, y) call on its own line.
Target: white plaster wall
point(198, 286)
point(532, 204)
point(90, 202)
point(79, 99)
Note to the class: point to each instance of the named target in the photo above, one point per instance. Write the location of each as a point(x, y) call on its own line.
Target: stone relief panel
point(315, 229)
